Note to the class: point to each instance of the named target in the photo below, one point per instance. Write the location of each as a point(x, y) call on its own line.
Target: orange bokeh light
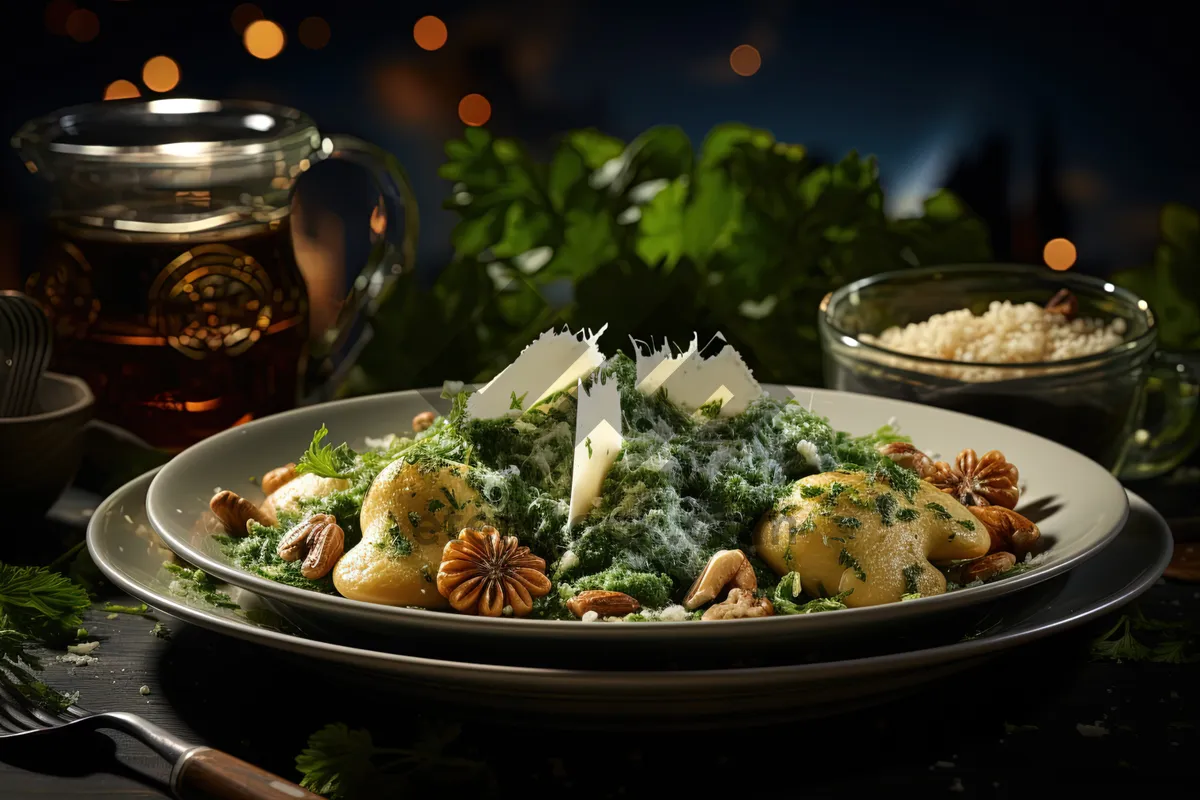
point(264, 39)
point(243, 15)
point(120, 90)
point(745, 60)
point(430, 33)
point(314, 33)
point(1059, 254)
point(56, 14)
point(83, 25)
point(474, 110)
point(160, 74)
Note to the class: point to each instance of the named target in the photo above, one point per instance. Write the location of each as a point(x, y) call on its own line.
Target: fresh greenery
point(650, 589)
point(788, 598)
point(753, 232)
point(340, 763)
point(1170, 642)
point(37, 606)
point(326, 461)
point(113, 608)
point(1171, 283)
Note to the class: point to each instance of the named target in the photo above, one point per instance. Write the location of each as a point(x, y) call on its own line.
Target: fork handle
point(206, 774)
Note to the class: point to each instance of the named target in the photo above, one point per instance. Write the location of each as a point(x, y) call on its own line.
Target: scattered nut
point(909, 457)
point(1010, 532)
point(974, 481)
point(295, 543)
point(235, 512)
point(482, 572)
point(1063, 303)
point(740, 604)
point(326, 544)
point(605, 604)
point(278, 477)
point(422, 421)
point(719, 572)
point(987, 567)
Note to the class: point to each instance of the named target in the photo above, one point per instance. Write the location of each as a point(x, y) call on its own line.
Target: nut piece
point(295, 543)
point(988, 567)
point(740, 604)
point(606, 604)
point(326, 544)
point(719, 572)
point(1063, 303)
point(235, 512)
point(1010, 532)
point(422, 421)
point(482, 572)
point(975, 481)
point(278, 477)
point(909, 457)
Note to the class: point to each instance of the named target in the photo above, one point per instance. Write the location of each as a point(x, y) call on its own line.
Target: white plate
point(131, 556)
point(1078, 505)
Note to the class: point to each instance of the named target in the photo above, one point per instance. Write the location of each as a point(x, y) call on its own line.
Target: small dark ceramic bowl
point(40, 453)
point(1096, 405)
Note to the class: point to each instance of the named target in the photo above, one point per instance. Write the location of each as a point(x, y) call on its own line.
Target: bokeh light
point(430, 33)
point(745, 60)
point(120, 90)
point(264, 39)
point(160, 74)
point(83, 25)
point(314, 33)
point(1059, 254)
point(56, 14)
point(474, 110)
point(244, 15)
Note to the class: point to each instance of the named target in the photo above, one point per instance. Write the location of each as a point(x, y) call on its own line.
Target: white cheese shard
point(598, 442)
point(693, 381)
point(551, 363)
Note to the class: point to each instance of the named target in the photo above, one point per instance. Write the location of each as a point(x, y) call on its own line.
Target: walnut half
point(740, 604)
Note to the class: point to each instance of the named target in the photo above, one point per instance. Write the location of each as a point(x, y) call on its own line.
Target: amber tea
point(179, 336)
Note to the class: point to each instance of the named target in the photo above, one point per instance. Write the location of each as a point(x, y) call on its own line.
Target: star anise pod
point(483, 572)
point(976, 481)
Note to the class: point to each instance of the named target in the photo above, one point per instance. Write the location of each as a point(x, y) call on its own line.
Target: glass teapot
point(171, 273)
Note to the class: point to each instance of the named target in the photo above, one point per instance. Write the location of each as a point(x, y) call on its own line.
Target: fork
point(198, 773)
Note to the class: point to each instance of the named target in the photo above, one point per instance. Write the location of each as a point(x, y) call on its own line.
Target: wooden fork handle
point(206, 774)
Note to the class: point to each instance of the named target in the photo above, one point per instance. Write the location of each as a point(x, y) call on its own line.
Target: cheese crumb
point(82, 649)
point(590, 616)
point(145, 690)
point(673, 614)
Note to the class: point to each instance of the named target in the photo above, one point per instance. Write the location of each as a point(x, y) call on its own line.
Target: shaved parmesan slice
point(692, 381)
point(551, 363)
point(598, 441)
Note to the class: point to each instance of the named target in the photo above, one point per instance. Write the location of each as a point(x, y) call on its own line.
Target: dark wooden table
point(1044, 715)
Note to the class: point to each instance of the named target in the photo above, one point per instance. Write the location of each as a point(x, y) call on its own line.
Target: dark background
point(1050, 119)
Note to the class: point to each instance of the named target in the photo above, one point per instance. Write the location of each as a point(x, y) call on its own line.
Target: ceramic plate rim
point(870, 665)
point(336, 605)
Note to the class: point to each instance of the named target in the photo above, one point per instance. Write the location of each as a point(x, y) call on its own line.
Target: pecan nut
point(989, 480)
point(1010, 532)
point(987, 567)
point(740, 604)
point(294, 544)
point(422, 421)
point(909, 457)
point(605, 604)
point(721, 571)
point(277, 478)
point(326, 544)
point(235, 512)
point(1065, 303)
point(483, 573)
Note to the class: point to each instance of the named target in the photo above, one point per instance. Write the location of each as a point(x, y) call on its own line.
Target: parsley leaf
point(41, 604)
point(1123, 648)
point(809, 492)
point(517, 403)
point(326, 461)
point(340, 763)
point(847, 560)
point(939, 511)
point(113, 608)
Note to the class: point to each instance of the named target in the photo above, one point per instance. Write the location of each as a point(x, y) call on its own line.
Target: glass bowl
point(1095, 404)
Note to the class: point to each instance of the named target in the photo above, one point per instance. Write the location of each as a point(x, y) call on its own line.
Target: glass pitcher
point(170, 274)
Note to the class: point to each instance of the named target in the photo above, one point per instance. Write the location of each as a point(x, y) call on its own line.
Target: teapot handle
point(394, 254)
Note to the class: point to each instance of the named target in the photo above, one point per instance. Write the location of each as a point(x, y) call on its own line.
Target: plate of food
point(136, 561)
point(575, 494)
